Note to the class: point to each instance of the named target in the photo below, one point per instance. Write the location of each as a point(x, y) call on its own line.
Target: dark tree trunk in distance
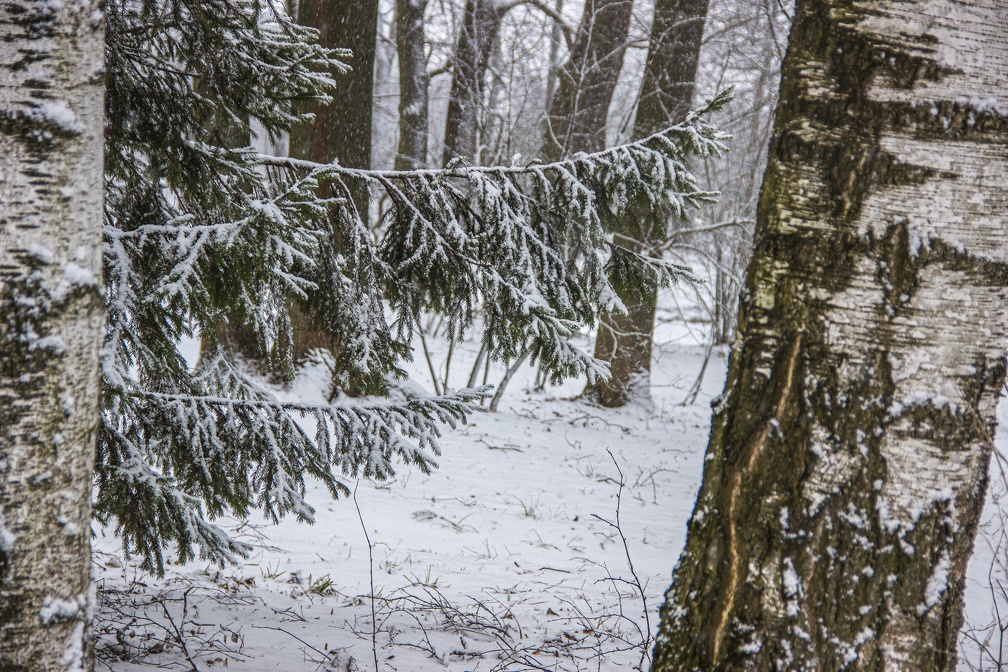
point(585, 82)
point(412, 84)
point(477, 38)
point(341, 130)
point(626, 341)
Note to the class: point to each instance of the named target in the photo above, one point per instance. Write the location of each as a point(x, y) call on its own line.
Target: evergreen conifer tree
point(197, 231)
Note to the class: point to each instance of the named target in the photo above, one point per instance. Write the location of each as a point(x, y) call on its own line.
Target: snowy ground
point(507, 557)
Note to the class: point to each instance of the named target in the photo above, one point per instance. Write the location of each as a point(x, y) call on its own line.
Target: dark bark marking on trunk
point(736, 484)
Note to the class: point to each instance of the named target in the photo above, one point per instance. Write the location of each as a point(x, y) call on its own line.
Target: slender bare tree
point(51, 110)
point(848, 455)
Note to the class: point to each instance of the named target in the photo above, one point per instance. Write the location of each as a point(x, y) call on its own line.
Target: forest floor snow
point(507, 557)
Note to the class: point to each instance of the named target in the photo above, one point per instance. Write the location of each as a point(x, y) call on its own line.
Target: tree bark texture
point(576, 121)
point(413, 84)
point(848, 457)
point(626, 341)
point(342, 129)
point(51, 311)
point(477, 38)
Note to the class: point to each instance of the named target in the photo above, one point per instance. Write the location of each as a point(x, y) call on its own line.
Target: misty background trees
point(267, 197)
point(531, 79)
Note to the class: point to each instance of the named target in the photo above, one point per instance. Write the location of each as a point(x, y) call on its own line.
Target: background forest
point(412, 337)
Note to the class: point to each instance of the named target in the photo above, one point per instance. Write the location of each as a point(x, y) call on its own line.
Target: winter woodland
point(503, 335)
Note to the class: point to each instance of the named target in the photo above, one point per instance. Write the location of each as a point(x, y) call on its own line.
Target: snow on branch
point(529, 243)
point(202, 233)
point(226, 444)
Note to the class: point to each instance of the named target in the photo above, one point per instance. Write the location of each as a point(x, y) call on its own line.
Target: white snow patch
point(73, 276)
point(70, 528)
point(981, 104)
point(936, 584)
point(55, 609)
point(7, 538)
point(58, 113)
point(51, 342)
point(73, 654)
point(792, 583)
point(69, 404)
point(42, 253)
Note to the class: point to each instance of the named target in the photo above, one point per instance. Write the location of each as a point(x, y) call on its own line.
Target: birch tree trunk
point(626, 341)
point(51, 309)
point(848, 456)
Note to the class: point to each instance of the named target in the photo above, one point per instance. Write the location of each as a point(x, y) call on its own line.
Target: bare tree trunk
point(341, 130)
point(412, 84)
point(556, 35)
point(626, 341)
point(51, 311)
point(476, 41)
point(586, 81)
point(848, 456)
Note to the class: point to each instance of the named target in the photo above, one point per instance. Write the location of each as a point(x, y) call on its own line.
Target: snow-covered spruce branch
point(227, 444)
point(202, 234)
point(532, 243)
point(693, 136)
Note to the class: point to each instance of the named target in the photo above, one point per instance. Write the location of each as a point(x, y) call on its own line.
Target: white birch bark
point(51, 118)
point(848, 458)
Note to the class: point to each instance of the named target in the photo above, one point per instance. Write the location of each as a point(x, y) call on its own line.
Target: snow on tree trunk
point(576, 121)
point(848, 456)
point(51, 109)
point(412, 84)
point(626, 340)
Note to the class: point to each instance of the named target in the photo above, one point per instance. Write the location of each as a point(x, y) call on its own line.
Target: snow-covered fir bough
point(198, 231)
